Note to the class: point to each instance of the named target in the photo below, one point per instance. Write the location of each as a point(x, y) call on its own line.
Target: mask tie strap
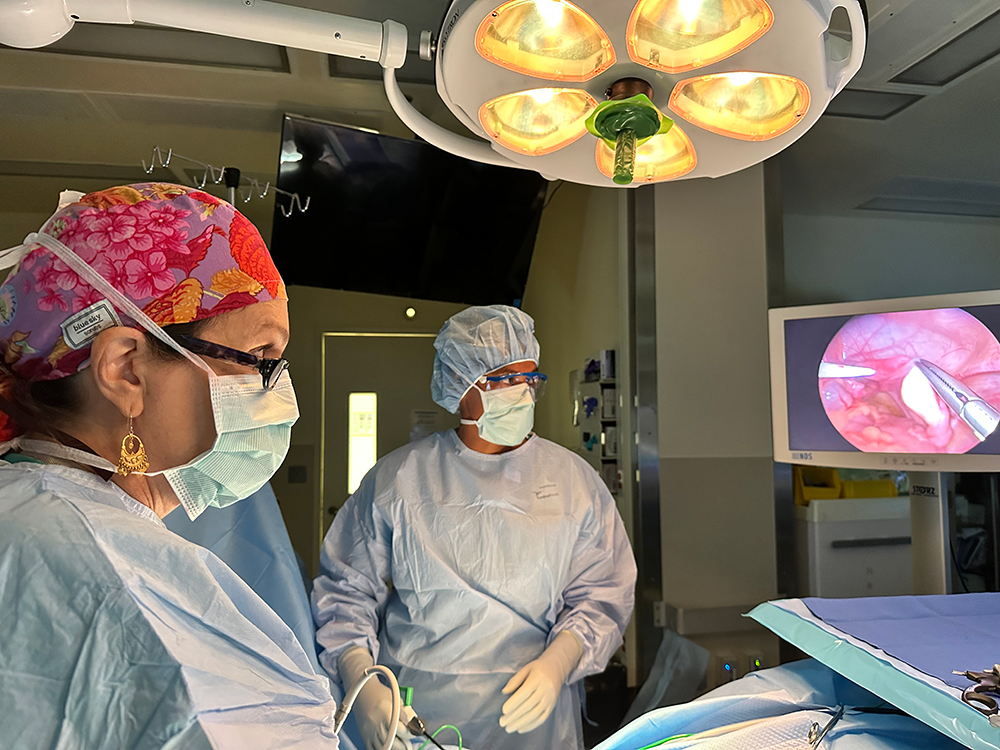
point(13, 255)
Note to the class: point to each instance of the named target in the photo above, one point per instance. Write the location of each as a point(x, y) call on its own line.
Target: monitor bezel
point(858, 460)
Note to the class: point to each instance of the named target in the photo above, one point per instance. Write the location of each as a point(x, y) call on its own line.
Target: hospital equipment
point(589, 92)
point(855, 547)
point(946, 424)
point(218, 174)
point(348, 703)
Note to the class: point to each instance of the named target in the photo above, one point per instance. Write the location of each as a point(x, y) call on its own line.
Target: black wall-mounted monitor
point(401, 217)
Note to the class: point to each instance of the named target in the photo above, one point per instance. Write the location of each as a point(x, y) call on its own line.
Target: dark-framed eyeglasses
point(270, 369)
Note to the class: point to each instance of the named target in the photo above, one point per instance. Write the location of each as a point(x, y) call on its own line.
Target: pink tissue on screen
point(889, 412)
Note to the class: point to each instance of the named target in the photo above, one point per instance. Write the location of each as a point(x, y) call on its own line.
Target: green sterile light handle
point(625, 146)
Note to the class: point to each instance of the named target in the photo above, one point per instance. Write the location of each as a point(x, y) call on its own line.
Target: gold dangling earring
point(133, 458)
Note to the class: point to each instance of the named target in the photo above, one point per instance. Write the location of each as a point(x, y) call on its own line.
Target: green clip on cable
point(624, 125)
point(406, 694)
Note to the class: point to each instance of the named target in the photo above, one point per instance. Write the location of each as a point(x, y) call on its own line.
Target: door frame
point(322, 404)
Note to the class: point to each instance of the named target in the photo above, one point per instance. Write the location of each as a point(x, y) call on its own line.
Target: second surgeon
point(487, 567)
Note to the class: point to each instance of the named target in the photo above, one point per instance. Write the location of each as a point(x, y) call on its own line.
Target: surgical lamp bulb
point(551, 11)
point(542, 96)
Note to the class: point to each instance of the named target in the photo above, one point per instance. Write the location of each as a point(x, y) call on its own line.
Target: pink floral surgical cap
point(178, 253)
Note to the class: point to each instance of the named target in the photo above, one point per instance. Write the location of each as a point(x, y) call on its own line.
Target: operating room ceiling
point(940, 153)
point(113, 93)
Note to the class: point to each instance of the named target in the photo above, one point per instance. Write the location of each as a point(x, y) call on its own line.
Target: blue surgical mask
point(253, 429)
point(508, 415)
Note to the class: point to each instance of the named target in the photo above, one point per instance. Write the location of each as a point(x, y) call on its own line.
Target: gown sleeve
point(353, 583)
point(600, 596)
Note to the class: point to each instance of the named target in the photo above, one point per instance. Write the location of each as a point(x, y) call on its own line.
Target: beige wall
point(713, 391)
point(713, 397)
point(572, 293)
point(313, 312)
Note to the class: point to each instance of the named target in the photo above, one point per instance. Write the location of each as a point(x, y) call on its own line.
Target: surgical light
point(676, 36)
point(750, 106)
point(662, 157)
point(539, 121)
point(550, 39)
point(584, 91)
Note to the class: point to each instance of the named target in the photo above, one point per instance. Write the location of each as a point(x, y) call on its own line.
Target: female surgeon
point(141, 331)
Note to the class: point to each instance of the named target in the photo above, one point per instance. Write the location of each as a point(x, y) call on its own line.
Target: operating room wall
point(313, 312)
point(14, 225)
point(572, 293)
point(868, 255)
point(714, 391)
point(716, 468)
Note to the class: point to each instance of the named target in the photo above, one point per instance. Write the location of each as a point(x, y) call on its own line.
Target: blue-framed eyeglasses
point(270, 369)
point(535, 380)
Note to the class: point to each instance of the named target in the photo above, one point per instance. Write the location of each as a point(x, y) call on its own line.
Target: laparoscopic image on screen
point(920, 381)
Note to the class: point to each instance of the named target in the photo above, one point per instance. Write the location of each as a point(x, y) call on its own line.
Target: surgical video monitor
point(900, 384)
point(400, 217)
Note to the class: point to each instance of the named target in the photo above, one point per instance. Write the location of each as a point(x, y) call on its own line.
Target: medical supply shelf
point(596, 408)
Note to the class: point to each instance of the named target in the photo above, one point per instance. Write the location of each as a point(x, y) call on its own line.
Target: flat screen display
point(862, 387)
point(401, 217)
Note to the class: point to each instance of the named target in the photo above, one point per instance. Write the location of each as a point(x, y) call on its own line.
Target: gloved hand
point(537, 685)
point(373, 708)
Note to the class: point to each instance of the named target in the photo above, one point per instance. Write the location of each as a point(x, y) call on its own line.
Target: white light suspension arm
point(436, 135)
point(36, 23)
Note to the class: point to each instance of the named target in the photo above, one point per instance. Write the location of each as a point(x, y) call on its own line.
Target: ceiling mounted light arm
point(435, 135)
point(37, 23)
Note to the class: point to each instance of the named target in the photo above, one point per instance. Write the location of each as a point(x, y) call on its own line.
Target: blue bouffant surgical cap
point(477, 341)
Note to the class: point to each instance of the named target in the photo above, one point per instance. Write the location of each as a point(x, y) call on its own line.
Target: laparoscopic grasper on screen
point(924, 381)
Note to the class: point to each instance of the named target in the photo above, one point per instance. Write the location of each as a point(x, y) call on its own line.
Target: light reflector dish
point(539, 121)
point(551, 39)
point(662, 157)
point(676, 36)
point(747, 106)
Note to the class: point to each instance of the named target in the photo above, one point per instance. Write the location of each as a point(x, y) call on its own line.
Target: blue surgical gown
point(457, 568)
point(250, 537)
point(116, 633)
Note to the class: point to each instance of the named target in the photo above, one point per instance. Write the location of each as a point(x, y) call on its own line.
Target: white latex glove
point(373, 708)
point(537, 685)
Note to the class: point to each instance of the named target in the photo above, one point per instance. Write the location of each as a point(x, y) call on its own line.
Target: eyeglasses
point(270, 369)
point(535, 380)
